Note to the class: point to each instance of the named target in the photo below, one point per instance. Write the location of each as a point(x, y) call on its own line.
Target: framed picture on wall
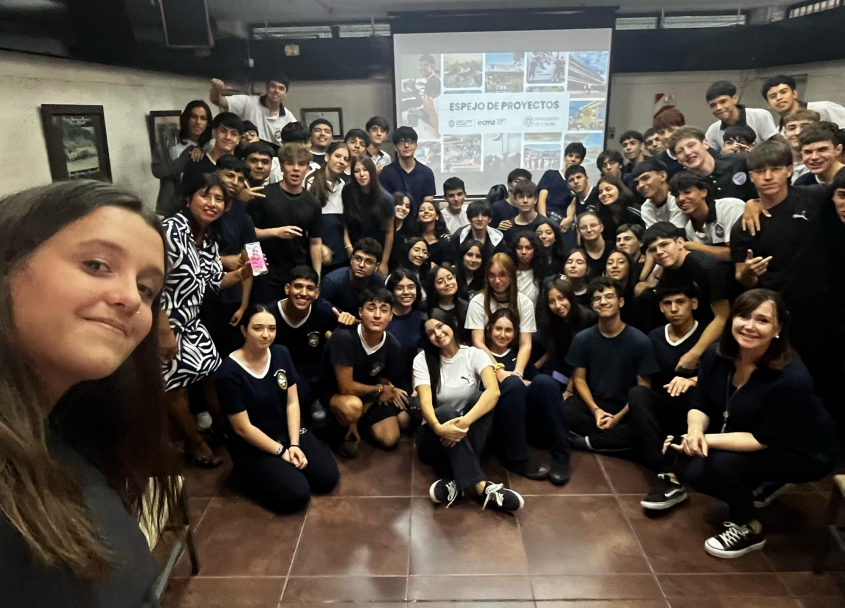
point(77, 146)
point(333, 115)
point(163, 129)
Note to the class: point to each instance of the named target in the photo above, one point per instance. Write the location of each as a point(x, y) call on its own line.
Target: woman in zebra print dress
point(193, 260)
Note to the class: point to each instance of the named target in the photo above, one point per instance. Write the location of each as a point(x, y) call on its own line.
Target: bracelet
point(293, 445)
point(280, 450)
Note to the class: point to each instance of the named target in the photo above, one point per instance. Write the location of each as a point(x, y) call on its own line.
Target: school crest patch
point(313, 339)
point(376, 370)
point(282, 379)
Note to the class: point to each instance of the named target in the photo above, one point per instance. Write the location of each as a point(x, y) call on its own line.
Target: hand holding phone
point(256, 258)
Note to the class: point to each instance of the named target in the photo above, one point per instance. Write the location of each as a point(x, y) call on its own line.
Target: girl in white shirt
point(458, 415)
point(328, 192)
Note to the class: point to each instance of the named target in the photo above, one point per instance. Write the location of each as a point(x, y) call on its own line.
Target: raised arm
point(216, 95)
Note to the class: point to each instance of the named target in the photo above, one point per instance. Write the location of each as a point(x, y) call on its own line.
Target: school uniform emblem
point(720, 231)
point(313, 339)
point(739, 178)
point(376, 370)
point(282, 379)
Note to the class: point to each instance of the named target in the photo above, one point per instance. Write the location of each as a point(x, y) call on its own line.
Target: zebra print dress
point(192, 270)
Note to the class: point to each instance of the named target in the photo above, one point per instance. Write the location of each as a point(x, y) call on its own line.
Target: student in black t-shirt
point(491, 240)
point(754, 425)
point(665, 242)
point(445, 293)
point(653, 142)
point(407, 322)
point(258, 157)
point(503, 211)
point(662, 410)
point(633, 149)
point(617, 206)
point(226, 130)
point(280, 463)
point(321, 138)
point(552, 240)
point(576, 271)
point(367, 209)
point(288, 223)
point(791, 252)
point(554, 195)
point(357, 141)
point(471, 267)
point(527, 218)
point(360, 369)
point(584, 197)
point(342, 287)
point(727, 174)
point(591, 229)
point(609, 360)
point(429, 225)
point(304, 322)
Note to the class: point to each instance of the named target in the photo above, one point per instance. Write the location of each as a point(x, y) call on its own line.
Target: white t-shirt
point(760, 121)
point(382, 159)
point(668, 212)
point(525, 284)
point(453, 222)
point(717, 228)
point(248, 107)
point(334, 204)
point(477, 318)
point(460, 376)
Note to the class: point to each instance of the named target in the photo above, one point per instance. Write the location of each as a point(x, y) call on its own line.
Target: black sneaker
point(734, 542)
point(443, 490)
point(665, 496)
point(767, 492)
point(497, 496)
point(579, 442)
point(318, 412)
point(528, 469)
point(349, 448)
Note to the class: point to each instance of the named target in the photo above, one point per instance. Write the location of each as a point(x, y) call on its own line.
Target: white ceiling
point(299, 11)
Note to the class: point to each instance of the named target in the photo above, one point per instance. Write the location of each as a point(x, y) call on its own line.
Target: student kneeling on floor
point(279, 462)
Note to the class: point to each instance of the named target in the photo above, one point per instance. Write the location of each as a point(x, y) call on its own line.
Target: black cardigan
point(777, 407)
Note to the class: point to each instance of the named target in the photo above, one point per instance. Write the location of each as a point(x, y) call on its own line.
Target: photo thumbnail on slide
point(484, 103)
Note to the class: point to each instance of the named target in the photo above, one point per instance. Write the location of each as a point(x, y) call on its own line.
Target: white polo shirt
point(668, 212)
point(721, 217)
point(248, 107)
point(760, 121)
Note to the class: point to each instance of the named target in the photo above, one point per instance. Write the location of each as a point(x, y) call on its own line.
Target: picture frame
point(77, 146)
point(163, 131)
point(333, 115)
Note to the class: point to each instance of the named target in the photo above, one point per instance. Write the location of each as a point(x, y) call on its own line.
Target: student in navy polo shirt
point(554, 195)
point(304, 322)
point(280, 463)
point(724, 103)
point(727, 175)
point(504, 210)
point(633, 149)
point(584, 196)
point(662, 409)
point(226, 130)
point(342, 287)
point(653, 143)
point(407, 174)
point(360, 369)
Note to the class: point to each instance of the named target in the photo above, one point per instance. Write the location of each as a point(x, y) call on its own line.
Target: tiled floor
point(378, 538)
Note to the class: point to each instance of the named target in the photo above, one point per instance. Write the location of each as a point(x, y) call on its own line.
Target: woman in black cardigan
point(754, 425)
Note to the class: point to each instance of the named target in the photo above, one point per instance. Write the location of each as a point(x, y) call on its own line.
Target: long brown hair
point(320, 187)
point(780, 352)
point(505, 261)
point(355, 199)
point(117, 423)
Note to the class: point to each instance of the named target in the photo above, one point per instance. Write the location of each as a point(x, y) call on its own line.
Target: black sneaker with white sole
point(734, 542)
point(497, 496)
point(767, 492)
point(443, 490)
point(668, 493)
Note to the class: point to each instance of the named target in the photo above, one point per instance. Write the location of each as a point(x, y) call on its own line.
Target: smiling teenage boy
point(267, 111)
point(226, 130)
point(724, 103)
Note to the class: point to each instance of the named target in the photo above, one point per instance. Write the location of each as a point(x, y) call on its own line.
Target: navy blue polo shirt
point(559, 196)
point(419, 183)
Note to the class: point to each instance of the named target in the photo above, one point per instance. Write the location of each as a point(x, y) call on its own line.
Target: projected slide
point(484, 103)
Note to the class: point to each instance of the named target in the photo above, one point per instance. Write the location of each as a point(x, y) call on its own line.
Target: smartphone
point(256, 258)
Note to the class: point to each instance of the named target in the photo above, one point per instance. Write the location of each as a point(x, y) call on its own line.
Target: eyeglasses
point(363, 261)
point(607, 296)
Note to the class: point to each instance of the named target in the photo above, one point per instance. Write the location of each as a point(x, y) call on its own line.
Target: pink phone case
point(256, 258)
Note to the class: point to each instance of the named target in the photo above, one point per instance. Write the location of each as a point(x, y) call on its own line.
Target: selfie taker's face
point(83, 301)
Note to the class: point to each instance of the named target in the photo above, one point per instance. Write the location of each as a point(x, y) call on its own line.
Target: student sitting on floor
point(755, 425)
point(458, 415)
point(279, 462)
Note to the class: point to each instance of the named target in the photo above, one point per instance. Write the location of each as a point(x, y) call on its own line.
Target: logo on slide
point(528, 121)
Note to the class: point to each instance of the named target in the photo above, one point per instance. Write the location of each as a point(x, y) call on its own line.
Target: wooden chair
point(832, 529)
point(180, 524)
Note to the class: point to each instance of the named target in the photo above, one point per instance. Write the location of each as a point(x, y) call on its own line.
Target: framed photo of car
point(77, 146)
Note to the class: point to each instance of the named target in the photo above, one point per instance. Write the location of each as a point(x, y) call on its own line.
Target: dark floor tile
point(354, 536)
point(735, 602)
point(470, 588)
point(674, 540)
point(376, 472)
point(596, 587)
point(345, 589)
point(758, 584)
point(807, 583)
point(196, 509)
point(831, 601)
point(793, 525)
point(626, 476)
point(605, 604)
point(354, 604)
point(579, 535)
point(206, 483)
point(240, 538)
point(223, 593)
point(463, 539)
point(587, 477)
point(472, 604)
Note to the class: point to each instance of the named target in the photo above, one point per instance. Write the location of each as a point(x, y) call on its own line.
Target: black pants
point(532, 412)
point(215, 315)
point(580, 420)
point(733, 476)
point(654, 416)
point(461, 462)
point(278, 484)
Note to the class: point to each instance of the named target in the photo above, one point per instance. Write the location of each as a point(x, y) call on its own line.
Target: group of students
point(643, 316)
